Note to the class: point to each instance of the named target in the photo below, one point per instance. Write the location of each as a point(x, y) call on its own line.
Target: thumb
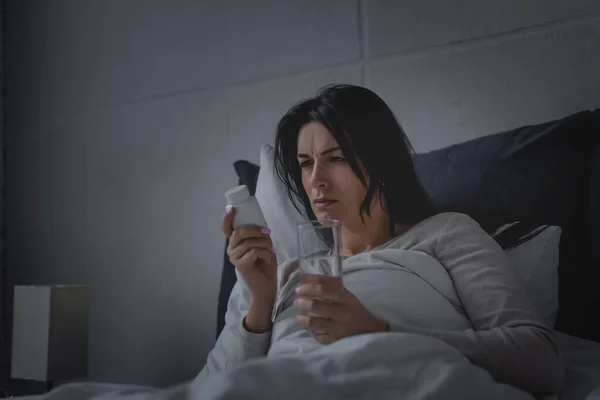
point(227, 221)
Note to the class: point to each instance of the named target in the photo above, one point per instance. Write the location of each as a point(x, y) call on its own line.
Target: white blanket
point(405, 288)
point(376, 366)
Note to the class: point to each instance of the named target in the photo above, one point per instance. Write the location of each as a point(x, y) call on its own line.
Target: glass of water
point(320, 248)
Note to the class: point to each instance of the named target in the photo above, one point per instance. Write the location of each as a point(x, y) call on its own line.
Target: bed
point(542, 175)
point(545, 174)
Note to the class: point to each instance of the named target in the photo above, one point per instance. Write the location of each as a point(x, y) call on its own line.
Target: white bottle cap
point(237, 194)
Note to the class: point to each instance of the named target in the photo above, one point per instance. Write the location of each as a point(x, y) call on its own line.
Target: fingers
point(248, 232)
point(261, 245)
point(321, 279)
point(329, 288)
point(227, 221)
point(253, 255)
point(247, 244)
point(256, 242)
point(321, 308)
point(326, 326)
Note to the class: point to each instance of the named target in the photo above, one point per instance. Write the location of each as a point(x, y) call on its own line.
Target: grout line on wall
point(291, 76)
point(242, 84)
point(365, 57)
point(363, 62)
point(481, 41)
point(363, 30)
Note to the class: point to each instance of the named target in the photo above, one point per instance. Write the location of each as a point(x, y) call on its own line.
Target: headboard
point(542, 174)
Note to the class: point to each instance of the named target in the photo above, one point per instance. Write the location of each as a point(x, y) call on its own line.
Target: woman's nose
point(318, 176)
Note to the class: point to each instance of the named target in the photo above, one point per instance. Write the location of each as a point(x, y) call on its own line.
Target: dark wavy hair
point(368, 134)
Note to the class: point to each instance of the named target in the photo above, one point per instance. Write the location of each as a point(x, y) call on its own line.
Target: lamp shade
point(50, 332)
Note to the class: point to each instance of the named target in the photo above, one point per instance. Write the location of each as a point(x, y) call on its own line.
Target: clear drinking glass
point(320, 247)
point(320, 250)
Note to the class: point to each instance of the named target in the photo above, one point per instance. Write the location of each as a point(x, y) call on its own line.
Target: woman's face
point(334, 190)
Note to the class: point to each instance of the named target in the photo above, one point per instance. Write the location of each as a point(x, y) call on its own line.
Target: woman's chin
point(323, 215)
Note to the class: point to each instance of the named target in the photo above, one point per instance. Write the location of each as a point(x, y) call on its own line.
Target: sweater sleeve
point(235, 344)
point(509, 338)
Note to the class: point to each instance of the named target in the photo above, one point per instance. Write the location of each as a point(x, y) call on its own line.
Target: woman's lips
point(324, 203)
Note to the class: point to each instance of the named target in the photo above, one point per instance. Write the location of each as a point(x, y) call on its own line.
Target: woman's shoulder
point(426, 234)
point(451, 236)
point(447, 221)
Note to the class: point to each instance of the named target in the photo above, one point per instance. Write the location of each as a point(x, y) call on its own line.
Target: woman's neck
point(365, 238)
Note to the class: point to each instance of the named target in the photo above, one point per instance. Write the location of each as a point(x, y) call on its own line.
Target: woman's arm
point(238, 341)
point(509, 338)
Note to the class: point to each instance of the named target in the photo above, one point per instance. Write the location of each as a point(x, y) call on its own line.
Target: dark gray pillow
point(539, 175)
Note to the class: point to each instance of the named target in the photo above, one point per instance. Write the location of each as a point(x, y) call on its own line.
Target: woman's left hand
point(340, 313)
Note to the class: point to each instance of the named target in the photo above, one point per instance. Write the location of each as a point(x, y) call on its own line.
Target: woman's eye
point(336, 159)
point(305, 164)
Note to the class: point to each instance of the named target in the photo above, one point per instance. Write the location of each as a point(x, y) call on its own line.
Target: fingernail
point(228, 209)
point(266, 231)
point(297, 289)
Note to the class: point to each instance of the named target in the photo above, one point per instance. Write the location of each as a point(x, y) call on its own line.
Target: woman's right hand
point(251, 252)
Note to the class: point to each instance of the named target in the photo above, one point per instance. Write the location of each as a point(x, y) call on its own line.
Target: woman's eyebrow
point(330, 150)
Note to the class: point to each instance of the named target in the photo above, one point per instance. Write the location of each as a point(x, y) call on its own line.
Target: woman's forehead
point(315, 137)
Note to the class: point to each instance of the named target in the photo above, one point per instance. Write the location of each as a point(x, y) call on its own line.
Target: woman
point(342, 155)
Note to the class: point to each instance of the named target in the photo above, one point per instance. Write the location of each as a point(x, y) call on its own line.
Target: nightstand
point(50, 333)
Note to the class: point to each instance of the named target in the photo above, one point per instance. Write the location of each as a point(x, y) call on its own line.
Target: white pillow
point(280, 214)
point(536, 260)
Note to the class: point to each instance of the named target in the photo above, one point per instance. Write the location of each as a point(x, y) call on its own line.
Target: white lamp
point(50, 333)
